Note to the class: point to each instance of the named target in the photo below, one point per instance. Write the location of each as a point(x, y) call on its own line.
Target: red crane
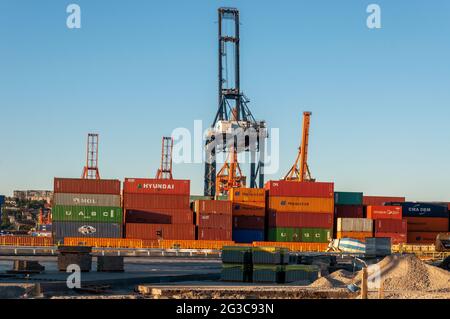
point(165, 171)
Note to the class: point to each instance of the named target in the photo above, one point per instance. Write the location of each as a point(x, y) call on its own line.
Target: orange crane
point(165, 171)
point(299, 172)
point(90, 171)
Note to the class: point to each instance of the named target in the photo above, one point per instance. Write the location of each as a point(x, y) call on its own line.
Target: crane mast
point(165, 170)
point(90, 170)
point(300, 170)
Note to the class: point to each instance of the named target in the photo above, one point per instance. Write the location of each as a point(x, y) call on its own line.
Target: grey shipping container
point(68, 199)
point(354, 225)
point(86, 229)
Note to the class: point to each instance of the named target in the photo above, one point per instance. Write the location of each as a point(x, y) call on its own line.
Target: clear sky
point(138, 69)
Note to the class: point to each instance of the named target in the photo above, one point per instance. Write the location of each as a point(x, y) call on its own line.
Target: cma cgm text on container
point(412, 209)
point(156, 186)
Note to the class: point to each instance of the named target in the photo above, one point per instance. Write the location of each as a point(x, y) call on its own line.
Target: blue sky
point(138, 69)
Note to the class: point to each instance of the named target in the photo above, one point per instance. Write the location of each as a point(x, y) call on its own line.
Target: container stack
point(248, 214)
point(237, 264)
point(388, 222)
point(354, 228)
point(424, 221)
point(347, 205)
point(213, 219)
point(86, 208)
point(157, 209)
point(269, 264)
point(380, 201)
point(300, 211)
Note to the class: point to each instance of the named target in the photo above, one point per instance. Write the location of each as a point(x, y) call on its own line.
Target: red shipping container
point(248, 222)
point(391, 226)
point(167, 216)
point(150, 231)
point(213, 207)
point(151, 202)
point(348, 211)
point(427, 224)
point(214, 234)
point(300, 189)
point(384, 212)
point(380, 200)
point(214, 221)
point(86, 186)
point(300, 220)
point(422, 237)
point(157, 186)
point(396, 238)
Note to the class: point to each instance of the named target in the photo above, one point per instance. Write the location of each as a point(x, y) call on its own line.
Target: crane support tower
point(165, 171)
point(90, 171)
point(300, 170)
point(234, 128)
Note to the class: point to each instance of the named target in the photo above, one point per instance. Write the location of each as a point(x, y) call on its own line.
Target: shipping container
point(247, 235)
point(186, 244)
point(160, 231)
point(242, 195)
point(156, 186)
point(284, 234)
point(412, 209)
point(214, 221)
point(301, 204)
point(348, 198)
point(162, 216)
point(300, 189)
point(249, 222)
point(214, 234)
point(427, 224)
point(396, 238)
point(391, 226)
point(355, 235)
point(86, 229)
point(299, 220)
point(151, 202)
point(103, 242)
point(67, 199)
point(222, 207)
point(2, 200)
point(348, 211)
point(354, 225)
point(87, 213)
point(380, 200)
point(315, 235)
point(248, 209)
point(422, 237)
point(384, 212)
point(295, 246)
point(26, 241)
point(87, 186)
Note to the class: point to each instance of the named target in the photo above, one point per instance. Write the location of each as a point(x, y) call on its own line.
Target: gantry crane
point(165, 170)
point(300, 170)
point(233, 115)
point(90, 171)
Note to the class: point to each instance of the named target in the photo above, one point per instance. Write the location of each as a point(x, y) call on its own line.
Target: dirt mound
point(398, 273)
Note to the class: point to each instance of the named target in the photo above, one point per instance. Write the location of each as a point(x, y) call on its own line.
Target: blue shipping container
point(413, 209)
point(247, 236)
point(2, 199)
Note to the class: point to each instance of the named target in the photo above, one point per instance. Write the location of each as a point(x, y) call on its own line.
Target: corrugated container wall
point(298, 220)
point(67, 199)
point(156, 186)
point(146, 202)
point(348, 198)
point(348, 211)
point(241, 195)
point(380, 200)
point(169, 216)
point(301, 204)
point(160, 231)
point(354, 225)
point(384, 212)
point(86, 229)
point(87, 213)
point(412, 209)
point(213, 207)
point(427, 224)
point(300, 189)
point(86, 186)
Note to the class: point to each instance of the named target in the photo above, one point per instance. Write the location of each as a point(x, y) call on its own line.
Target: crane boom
point(300, 170)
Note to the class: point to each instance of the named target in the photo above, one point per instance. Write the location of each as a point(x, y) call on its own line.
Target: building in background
point(34, 195)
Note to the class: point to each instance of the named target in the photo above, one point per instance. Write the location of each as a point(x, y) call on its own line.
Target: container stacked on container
point(157, 209)
point(213, 219)
point(248, 214)
point(424, 220)
point(299, 211)
point(269, 264)
point(86, 208)
point(355, 228)
point(347, 205)
point(388, 222)
point(237, 264)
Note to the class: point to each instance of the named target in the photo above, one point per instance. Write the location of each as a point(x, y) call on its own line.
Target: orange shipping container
point(222, 207)
point(301, 204)
point(384, 212)
point(248, 209)
point(427, 224)
point(243, 195)
point(380, 200)
point(354, 235)
point(309, 247)
point(422, 237)
point(25, 241)
point(103, 242)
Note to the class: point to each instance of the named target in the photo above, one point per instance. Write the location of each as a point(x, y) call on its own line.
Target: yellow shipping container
point(301, 204)
point(243, 195)
point(294, 246)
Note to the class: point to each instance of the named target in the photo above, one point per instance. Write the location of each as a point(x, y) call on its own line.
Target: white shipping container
point(66, 199)
point(354, 225)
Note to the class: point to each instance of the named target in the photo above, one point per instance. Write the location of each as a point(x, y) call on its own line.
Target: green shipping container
point(348, 198)
point(87, 213)
point(284, 234)
point(315, 235)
